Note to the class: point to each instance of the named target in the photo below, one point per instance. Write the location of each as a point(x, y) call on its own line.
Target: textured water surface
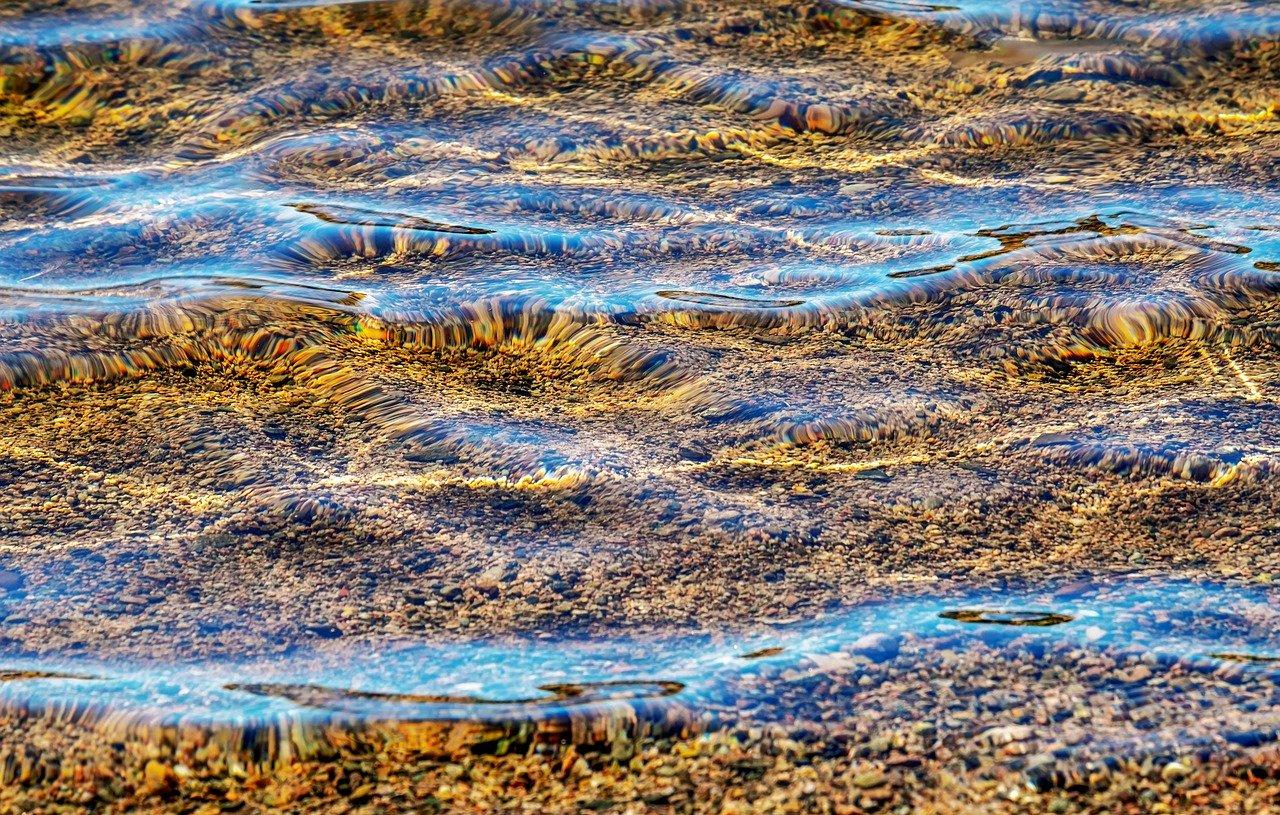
point(470, 377)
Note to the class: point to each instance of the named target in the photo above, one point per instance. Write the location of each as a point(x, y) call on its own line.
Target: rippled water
point(590, 370)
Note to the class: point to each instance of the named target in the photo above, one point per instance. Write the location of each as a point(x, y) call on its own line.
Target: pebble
point(160, 777)
point(869, 779)
point(1007, 734)
point(1064, 93)
point(1174, 771)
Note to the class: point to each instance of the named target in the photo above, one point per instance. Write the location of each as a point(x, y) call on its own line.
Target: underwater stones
point(160, 778)
point(869, 779)
point(1174, 771)
point(1006, 735)
point(345, 342)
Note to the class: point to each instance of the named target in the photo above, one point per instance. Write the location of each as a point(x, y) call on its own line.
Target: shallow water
point(1205, 626)
point(641, 368)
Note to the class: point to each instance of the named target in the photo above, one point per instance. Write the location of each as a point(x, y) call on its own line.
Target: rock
point(1138, 673)
point(1175, 771)
point(925, 729)
point(719, 516)
point(869, 779)
point(1064, 93)
point(1007, 734)
point(160, 777)
point(690, 452)
point(450, 591)
point(491, 579)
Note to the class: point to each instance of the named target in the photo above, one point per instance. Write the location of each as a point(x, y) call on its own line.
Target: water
point(1166, 645)
point(577, 372)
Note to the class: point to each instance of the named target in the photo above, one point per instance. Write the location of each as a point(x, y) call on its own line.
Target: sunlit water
point(1164, 643)
point(565, 280)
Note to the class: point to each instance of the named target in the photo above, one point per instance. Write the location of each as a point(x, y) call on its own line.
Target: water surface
point(488, 376)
